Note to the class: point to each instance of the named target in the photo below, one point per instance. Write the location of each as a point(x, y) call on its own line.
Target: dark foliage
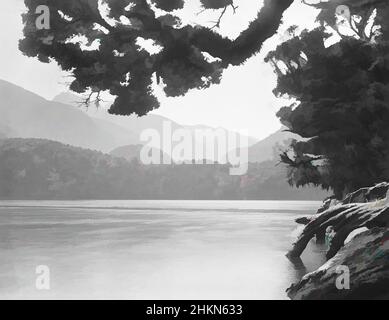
point(342, 94)
point(123, 67)
point(42, 169)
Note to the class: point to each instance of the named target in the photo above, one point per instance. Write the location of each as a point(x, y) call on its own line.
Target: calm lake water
point(152, 249)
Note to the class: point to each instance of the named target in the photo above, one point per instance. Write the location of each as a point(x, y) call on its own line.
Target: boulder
point(365, 260)
point(367, 207)
point(344, 219)
point(363, 195)
point(303, 220)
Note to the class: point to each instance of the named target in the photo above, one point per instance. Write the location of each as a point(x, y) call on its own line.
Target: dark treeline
point(43, 169)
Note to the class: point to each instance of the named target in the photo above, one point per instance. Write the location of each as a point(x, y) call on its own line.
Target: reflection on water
point(152, 249)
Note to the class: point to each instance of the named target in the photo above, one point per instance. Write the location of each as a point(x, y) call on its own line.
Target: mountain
point(27, 115)
point(43, 169)
point(134, 123)
point(5, 130)
point(139, 125)
point(119, 135)
point(268, 148)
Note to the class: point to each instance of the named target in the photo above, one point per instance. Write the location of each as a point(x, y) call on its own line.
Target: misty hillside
point(32, 116)
point(137, 124)
point(27, 115)
point(269, 148)
point(134, 123)
point(129, 152)
point(43, 169)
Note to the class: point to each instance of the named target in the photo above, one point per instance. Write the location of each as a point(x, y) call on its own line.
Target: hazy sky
point(243, 101)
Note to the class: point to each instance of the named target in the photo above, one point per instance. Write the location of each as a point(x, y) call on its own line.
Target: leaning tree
point(121, 66)
point(341, 93)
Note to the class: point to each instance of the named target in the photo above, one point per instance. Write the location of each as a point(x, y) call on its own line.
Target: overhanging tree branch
point(180, 64)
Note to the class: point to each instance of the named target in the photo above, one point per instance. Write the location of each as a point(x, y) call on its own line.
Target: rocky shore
point(357, 233)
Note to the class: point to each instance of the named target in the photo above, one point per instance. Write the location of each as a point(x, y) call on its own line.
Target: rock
point(366, 258)
point(303, 220)
point(344, 219)
point(367, 207)
point(378, 192)
point(327, 203)
point(352, 235)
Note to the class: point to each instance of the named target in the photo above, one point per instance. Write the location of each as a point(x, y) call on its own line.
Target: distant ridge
point(27, 115)
point(269, 148)
point(134, 123)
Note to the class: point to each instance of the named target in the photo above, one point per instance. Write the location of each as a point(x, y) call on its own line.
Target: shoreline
point(364, 259)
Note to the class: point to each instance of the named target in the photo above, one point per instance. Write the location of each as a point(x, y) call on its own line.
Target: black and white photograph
point(194, 150)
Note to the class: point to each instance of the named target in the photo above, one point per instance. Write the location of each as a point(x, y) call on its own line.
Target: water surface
point(152, 249)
